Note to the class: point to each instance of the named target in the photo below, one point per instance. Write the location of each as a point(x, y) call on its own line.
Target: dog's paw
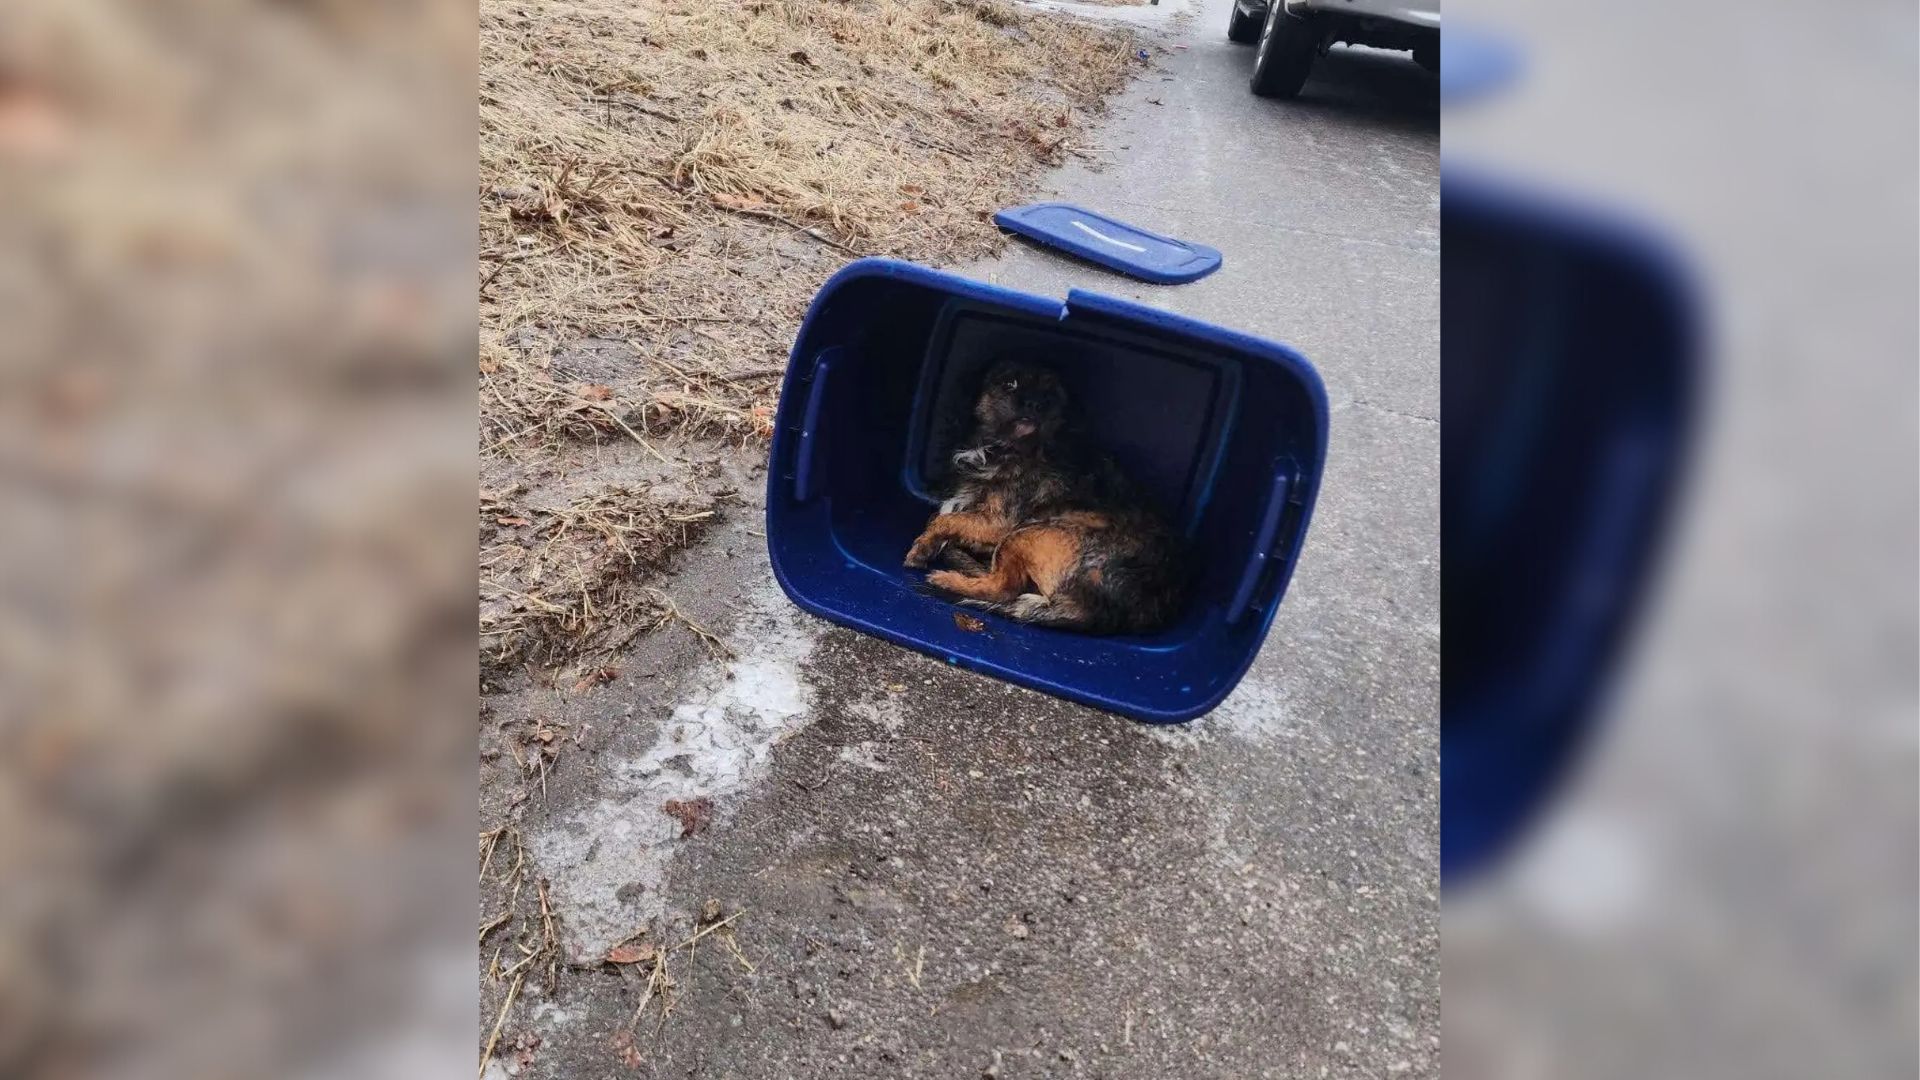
point(947, 580)
point(922, 554)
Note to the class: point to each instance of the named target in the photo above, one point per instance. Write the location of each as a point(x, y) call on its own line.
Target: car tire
point(1288, 44)
point(1428, 56)
point(1242, 28)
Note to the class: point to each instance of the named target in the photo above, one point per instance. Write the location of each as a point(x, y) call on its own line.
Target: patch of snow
point(608, 861)
point(433, 1025)
point(1180, 736)
point(1255, 711)
point(551, 1017)
point(1588, 874)
point(862, 754)
point(885, 710)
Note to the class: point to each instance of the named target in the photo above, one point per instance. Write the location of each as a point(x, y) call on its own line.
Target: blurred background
point(236, 640)
point(1721, 880)
point(236, 647)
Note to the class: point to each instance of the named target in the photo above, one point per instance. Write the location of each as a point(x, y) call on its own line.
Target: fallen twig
point(709, 930)
point(494, 924)
point(653, 982)
point(487, 1054)
point(615, 417)
point(734, 948)
point(488, 841)
point(769, 215)
point(552, 944)
point(641, 109)
point(671, 612)
point(758, 373)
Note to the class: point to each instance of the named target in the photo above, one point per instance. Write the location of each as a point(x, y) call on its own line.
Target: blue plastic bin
point(1228, 433)
point(1572, 365)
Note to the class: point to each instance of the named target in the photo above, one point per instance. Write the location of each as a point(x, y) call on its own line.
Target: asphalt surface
point(945, 876)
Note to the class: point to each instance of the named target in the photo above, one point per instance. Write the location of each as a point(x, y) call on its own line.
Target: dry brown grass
point(674, 179)
point(568, 584)
point(682, 175)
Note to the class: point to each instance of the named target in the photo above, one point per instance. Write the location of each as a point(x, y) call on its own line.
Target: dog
point(1042, 527)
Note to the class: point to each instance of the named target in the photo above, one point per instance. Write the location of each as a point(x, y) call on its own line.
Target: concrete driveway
point(944, 876)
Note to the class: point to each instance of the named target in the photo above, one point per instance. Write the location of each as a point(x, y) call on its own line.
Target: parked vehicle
point(1291, 34)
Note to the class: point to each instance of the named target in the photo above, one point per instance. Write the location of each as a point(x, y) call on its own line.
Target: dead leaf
point(737, 202)
point(692, 814)
point(597, 393)
point(593, 678)
point(73, 396)
point(32, 125)
point(524, 1046)
point(512, 521)
point(968, 623)
point(629, 1053)
point(800, 57)
point(636, 952)
point(910, 207)
point(535, 214)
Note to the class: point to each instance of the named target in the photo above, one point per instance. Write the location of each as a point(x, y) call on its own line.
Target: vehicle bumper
point(1420, 13)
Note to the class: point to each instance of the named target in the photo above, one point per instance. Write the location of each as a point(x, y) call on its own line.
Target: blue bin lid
point(1475, 64)
point(1113, 244)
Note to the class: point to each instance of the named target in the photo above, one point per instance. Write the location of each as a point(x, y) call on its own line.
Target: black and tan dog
point(1070, 541)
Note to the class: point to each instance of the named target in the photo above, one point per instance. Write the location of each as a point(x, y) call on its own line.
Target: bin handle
point(1262, 550)
point(810, 432)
